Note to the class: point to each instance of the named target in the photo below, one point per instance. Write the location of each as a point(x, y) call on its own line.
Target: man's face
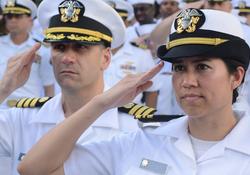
point(18, 23)
point(168, 7)
point(79, 67)
point(225, 6)
point(144, 13)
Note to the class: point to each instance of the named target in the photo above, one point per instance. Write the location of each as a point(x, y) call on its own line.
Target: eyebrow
point(194, 61)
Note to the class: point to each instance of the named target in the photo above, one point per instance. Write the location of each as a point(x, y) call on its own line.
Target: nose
point(69, 57)
point(189, 80)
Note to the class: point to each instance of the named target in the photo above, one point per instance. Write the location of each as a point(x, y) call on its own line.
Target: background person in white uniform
point(19, 16)
point(130, 59)
point(81, 44)
point(243, 11)
point(211, 139)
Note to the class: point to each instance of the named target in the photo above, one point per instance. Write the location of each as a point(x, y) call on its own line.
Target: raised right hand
point(18, 70)
point(128, 88)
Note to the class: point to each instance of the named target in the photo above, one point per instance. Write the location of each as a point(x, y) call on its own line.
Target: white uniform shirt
point(138, 30)
point(130, 60)
point(41, 71)
point(20, 129)
point(246, 31)
point(245, 90)
point(166, 101)
point(167, 151)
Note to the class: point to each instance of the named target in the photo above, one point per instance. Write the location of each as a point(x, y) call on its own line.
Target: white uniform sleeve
point(5, 144)
point(100, 158)
point(46, 69)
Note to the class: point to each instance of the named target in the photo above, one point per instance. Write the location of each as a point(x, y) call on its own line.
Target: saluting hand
point(128, 88)
point(17, 71)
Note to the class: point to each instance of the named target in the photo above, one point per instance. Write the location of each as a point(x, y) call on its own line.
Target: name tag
point(154, 166)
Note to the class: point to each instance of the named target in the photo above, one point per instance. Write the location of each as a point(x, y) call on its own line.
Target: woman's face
point(203, 86)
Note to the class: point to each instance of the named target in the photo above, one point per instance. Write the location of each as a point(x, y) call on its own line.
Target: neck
point(73, 101)
point(19, 38)
point(213, 127)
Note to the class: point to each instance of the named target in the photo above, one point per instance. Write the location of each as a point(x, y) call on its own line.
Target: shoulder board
point(137, 110)
point(2, 34)
point(146, 114)
point(32, 102)
point(160, 118)
point(141, 46)
point(244, 23)
point(42, 43)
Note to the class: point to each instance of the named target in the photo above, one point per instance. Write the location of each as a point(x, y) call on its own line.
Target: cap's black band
point(17, 9)
point(84, 30)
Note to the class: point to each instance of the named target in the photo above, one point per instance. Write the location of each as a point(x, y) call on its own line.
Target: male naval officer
point(81, 35)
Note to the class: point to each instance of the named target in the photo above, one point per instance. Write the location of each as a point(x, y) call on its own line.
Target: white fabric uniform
point(130, 60)
point(22, 128)
point(166, 151)
point(166, 101)
point(138, 30)
point(246, 31)
point(41, 72)
point(245, 91)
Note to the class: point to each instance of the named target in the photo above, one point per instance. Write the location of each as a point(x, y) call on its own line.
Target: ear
point(106, 58)
point(238, 77)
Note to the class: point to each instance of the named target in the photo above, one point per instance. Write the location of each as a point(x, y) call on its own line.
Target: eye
point(80, 47)
point(59, 47)
point(178, 68)
point(202, 67)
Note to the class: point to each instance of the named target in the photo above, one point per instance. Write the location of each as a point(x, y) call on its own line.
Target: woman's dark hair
point(232, 66)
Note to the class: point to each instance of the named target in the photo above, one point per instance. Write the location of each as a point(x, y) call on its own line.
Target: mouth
point(68, 72)
point(191, 97)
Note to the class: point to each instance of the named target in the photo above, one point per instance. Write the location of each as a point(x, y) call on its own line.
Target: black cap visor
point(235, 49)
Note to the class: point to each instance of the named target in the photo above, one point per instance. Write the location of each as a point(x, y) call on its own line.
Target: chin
point(194, 115)
point(193, 112)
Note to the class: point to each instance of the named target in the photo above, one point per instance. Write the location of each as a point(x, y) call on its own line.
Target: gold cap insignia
point(70, 10)
point(242, 4)
point(11, 3)
point(188, 20)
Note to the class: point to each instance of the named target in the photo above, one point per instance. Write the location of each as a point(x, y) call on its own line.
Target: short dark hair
point(232, 66)
point(213, 3)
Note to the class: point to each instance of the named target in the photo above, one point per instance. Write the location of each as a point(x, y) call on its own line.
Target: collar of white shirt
point(7, 40)
point(52, 112)
point(237, 139)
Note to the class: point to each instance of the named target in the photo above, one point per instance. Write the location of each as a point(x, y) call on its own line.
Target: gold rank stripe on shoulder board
point(146, 114)
point(137, 110)
point(141, 46)
point(32, 102)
